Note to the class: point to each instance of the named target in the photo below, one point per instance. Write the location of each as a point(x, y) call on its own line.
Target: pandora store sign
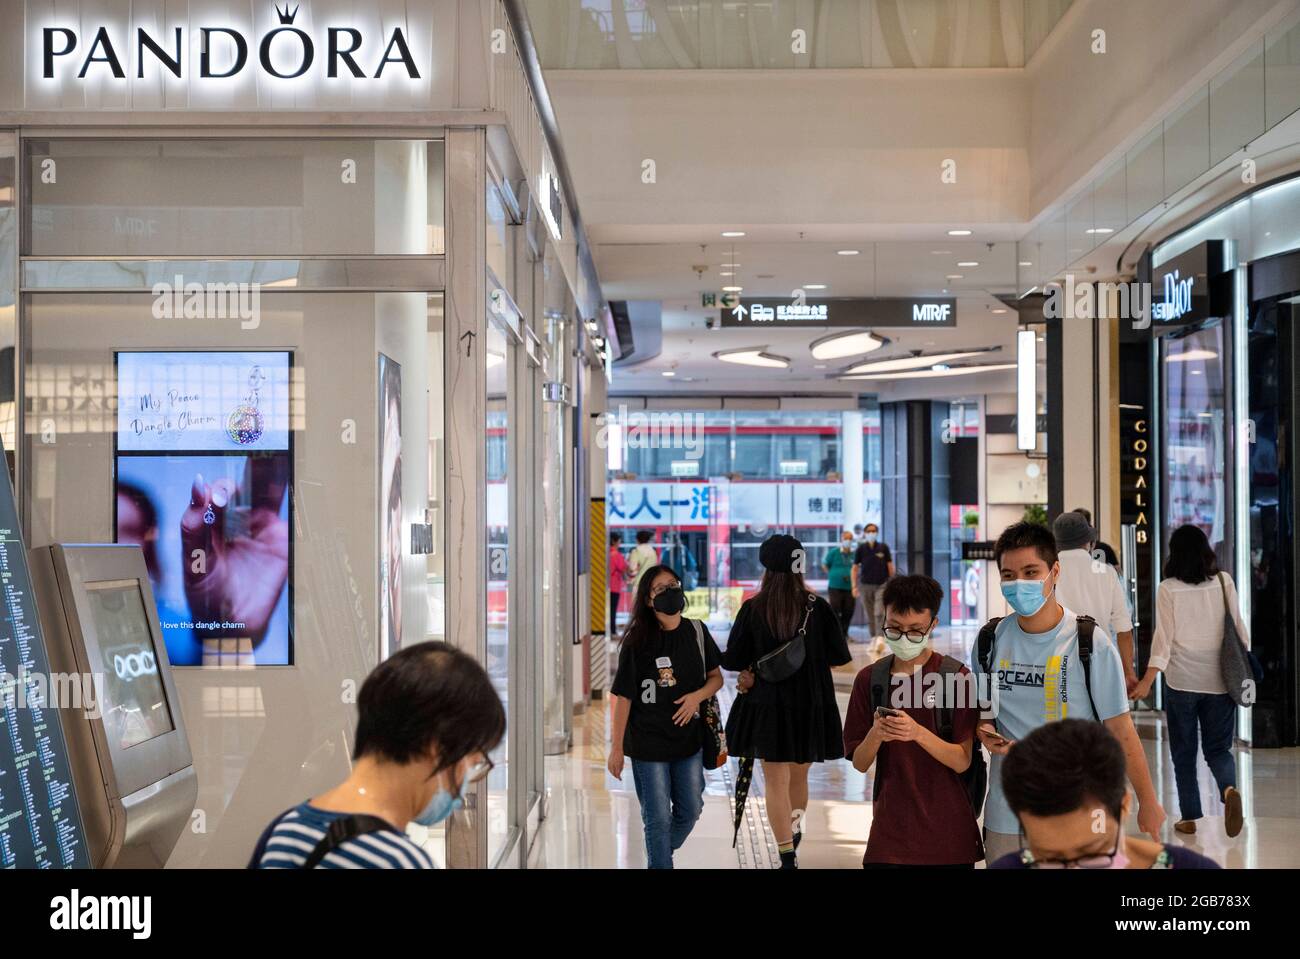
point(285, 52)
point(149, 54)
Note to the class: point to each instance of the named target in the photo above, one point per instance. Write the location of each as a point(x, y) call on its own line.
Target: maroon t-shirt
point(921, 815)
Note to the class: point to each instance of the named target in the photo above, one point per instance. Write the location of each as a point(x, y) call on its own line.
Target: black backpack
point(1086, 624)
point(975, 779)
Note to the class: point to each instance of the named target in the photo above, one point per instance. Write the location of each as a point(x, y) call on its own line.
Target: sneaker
point(1232, 817)
point(1186, 826)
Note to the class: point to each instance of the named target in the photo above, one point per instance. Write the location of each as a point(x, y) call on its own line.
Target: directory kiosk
point(128, 750)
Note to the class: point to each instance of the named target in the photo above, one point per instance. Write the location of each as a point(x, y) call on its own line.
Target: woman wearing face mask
point(428, 717)
point(667, 667)
point(793, 722)
point(838, 564)
point(913, 714)
point(1065, 784)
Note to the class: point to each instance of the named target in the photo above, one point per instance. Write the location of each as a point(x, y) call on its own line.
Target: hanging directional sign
point(839, 311)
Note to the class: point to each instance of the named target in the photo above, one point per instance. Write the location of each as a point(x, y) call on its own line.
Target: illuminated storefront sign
point(219, 51)
point(840, 311)
point(1191, 287)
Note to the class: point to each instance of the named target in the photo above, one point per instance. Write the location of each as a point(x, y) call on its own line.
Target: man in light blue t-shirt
point(1038, 678)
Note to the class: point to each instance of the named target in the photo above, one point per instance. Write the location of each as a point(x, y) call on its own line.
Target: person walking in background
point(791, 722)
point(1190, 611)
point(1036, 659)
point(618, 577)
point(838, 564)
point(1088, 587)
point(921, 813)
point(873, 564)
point(667, 667)
point(1057, 781)
point(642, 557)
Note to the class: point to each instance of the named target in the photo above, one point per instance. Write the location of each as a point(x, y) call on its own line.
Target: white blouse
point(1189, 633)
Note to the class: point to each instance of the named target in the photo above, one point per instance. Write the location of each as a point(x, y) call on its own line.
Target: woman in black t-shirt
point(796, 722)
point(668, 666)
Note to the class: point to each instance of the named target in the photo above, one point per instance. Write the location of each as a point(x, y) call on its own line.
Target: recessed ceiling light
point(754, 356)
point(910, 362)
point(959, 232)
point(968, 263)
point(819, 366)
point(1100, 230)
point(941, 252)
point(1025, 263)
point(669, 373)
point(732, 289)
point(814, 286)
point(731, 265)
point(954, 276)
point(999, 310)
point(727, 273)
point(848, 252)
point(924, 374)
point(733, 233)
point(839, 345)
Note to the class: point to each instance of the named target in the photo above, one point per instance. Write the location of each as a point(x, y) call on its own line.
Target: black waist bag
point(787, 659)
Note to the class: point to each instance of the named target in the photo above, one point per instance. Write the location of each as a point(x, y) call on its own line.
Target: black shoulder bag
point(787, 659)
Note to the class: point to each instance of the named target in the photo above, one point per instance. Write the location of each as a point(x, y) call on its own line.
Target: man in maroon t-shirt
point(921, 815)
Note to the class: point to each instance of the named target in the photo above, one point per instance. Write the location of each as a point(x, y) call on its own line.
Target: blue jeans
point(1217, 716)
point(672, 798)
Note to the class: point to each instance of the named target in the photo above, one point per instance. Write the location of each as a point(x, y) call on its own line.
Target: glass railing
point(789, 34)
point(1249, 97)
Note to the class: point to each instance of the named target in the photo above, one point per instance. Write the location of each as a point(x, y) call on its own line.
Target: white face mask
point(870, 539)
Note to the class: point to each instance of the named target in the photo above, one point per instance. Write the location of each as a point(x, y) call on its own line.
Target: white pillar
point(851, 441)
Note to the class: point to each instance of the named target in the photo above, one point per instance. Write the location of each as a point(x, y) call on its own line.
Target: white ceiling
point(668, 273)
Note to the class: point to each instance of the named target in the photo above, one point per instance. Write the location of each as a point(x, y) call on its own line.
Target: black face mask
point(671, 601)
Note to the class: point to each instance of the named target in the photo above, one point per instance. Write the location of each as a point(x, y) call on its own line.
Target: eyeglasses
point(1090, 861)
point(478, 772)
point(911, 635)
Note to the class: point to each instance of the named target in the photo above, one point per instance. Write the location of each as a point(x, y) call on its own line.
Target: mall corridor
point(496, 436)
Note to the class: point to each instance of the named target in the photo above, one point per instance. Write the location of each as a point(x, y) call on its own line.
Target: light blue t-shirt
point(1037, 679)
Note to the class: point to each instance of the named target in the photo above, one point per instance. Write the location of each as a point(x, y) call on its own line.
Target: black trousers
point(841, 601)
point(613, 613)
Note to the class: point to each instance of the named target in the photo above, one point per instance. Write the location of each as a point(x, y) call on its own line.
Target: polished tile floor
point(594, 820)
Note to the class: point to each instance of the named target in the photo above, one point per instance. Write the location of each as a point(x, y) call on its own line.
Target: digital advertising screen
point(134, 704)
point(204, 473)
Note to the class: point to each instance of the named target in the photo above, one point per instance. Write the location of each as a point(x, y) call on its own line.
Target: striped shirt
point(300, 830)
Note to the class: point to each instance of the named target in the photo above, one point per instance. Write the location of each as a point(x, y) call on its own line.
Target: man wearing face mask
point(873, 564)
point(1034, 661)
point(913, 715)
point(428, 718)
point(838, 564)
point(1065, 784)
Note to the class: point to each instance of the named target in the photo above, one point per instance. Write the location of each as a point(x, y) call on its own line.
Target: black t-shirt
point(664, 667)
point(873, 563)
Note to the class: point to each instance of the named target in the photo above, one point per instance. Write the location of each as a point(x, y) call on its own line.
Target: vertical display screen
point(204, 469)
point(133, 702)
point(40, 825)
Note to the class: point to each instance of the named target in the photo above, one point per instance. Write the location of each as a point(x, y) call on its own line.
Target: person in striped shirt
point(428, 718)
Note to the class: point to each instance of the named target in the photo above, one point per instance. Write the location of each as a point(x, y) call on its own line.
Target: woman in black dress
point(796, 722)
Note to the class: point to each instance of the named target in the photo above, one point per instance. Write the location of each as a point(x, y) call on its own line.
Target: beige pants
point(869, 594)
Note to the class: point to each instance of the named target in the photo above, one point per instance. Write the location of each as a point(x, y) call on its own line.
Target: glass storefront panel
point(499, 359)
point(1197, 425)
point(234, 197)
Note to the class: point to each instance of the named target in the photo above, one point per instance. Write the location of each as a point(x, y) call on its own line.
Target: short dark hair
point(616, 537)
point(428, 695)
point(644, 536)
point(1062, 766)
point(1107, 553)
point(870, 525)
point(1021, 535)
point(912, 594)
point(1191, 557)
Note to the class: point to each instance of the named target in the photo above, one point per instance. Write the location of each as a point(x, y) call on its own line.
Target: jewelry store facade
point(301, 289)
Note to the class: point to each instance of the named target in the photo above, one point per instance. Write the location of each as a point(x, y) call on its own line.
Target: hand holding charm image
point(236, 557)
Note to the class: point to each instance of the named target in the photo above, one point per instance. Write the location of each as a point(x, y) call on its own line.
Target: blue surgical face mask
point(1025, 596)
point(440, 806)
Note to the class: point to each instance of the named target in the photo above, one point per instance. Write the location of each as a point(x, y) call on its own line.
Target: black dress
point(796, 720)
